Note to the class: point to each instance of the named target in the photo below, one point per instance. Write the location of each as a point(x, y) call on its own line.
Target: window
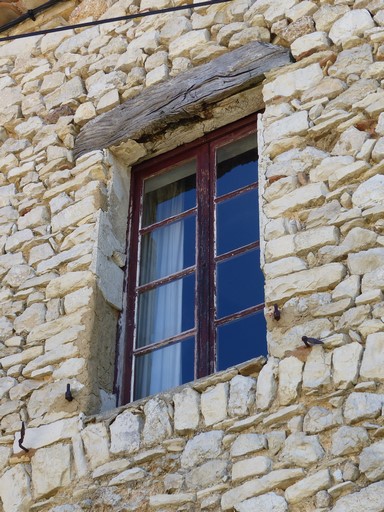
point(195, 287)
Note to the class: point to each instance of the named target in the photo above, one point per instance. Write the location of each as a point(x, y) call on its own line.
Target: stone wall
point(302, 433)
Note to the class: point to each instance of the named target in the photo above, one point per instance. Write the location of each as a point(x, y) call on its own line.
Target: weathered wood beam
point(183, 97)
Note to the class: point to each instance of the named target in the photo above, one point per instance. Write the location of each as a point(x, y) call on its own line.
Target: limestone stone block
point(328, 166)
point(309, 195)
point(276, 441)
point(109, 468)
point(45, 482)
point(309, 43)
point(95, 439)
point(280, 478)
point(241, 396)
point(345, 363)
point(249, 34)
point(78, 299)
point(157, 425)
point(281, 247)
point(214, 403)
point(208, 474)
point(168, 500)
point(302, 450)
point(6, 328)
point(372, 461)
point(284, 266)
point(352, 23)
point(289, 84)
point(317, 369)
point(8, 214)
point(65, 336)
point(254, 466)
point(67, 283)
point(284, 414)
point(355, 60)
point(34, 315)
point(276, 12)
point(40, 252)
point(312, 239)
point(201, 448)
point(313, 280)
point(18, 274)
point(157, 75)
point(266, 384)
point(290, 377)
point(246, 444)
point(369, 498)
point(187, 410)
point(51, 398)
point(7, 261)
point(319, 419)
point(5, 453)
point(38, 216)
point(373, 359)
point(72, 367)
point(65, 257)
point(347, 173)
point(182, 46)
point(308, 486)
point(15, 489)
point(129, 475)
point(125, 433)
point(359, 406)
point(51, 357)
point(366, 261)
point(174, 28)
point(295, 124)
point(75, 42)
point(350, 143)
point(373, 280)
point(279, 344)
point(269, 501)
point(347, 440)
point(6, 383)
point(23, 357)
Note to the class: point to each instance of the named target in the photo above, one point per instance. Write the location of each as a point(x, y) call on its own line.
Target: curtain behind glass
point(161, 312)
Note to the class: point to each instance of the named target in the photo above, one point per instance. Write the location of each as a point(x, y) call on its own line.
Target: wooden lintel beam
point(181, 98)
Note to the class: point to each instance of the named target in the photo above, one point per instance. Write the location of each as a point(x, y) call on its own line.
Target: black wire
point(111, 20)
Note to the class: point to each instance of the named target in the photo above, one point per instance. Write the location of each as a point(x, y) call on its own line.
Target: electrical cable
point(109, 20)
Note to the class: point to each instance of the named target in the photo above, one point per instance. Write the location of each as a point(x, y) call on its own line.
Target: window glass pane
point(237, 221)
point(166, 311)
point(241, 340)
point(168, 249)
point(169, 193)
point(236, 165)
point(240, 283)
point(164, 368)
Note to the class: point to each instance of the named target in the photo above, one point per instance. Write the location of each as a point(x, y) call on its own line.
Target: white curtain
point(160, 310)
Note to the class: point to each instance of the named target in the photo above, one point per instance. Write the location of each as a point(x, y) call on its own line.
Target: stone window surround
point(234, 106)
point(123, 158)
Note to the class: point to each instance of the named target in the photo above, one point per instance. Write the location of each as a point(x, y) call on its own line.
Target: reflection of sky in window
point(241, 340)
point(237, 221)
point(232, 175)
point(240, 283)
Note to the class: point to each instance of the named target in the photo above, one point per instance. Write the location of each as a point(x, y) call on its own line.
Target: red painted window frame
point(203, 149)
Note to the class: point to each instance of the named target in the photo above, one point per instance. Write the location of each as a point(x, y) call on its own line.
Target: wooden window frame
point(203, 150)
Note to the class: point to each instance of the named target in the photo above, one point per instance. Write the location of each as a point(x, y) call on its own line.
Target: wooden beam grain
point(183, 97)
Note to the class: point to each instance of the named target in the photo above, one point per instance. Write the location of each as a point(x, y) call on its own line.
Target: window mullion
point(204, 262)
